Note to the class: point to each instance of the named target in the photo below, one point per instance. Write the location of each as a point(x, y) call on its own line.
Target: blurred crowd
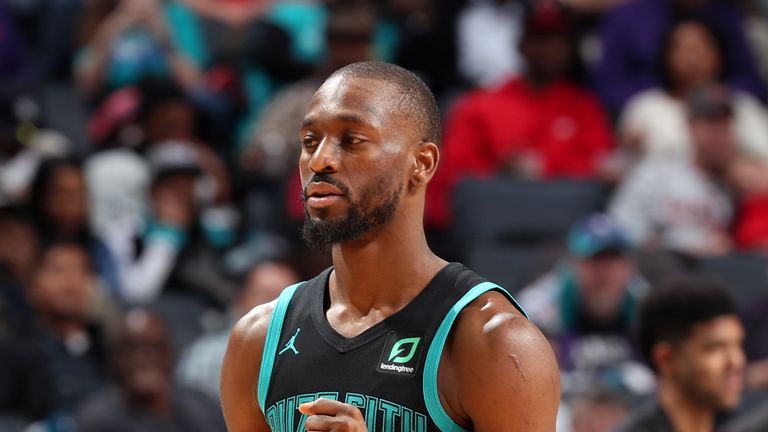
point(149, 195)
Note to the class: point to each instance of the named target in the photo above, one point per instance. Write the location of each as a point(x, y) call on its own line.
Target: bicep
point(239, 380)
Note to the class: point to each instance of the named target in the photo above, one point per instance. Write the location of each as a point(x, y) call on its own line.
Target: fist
point(330, 415)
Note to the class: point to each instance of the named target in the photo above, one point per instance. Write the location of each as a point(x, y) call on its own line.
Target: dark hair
point(670, 313)
point(43, 180)
point(666, 47)
point(55, 243)
point(414, 97)
point(155, 92)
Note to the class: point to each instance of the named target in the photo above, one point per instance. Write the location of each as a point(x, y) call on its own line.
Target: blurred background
point(149, 194)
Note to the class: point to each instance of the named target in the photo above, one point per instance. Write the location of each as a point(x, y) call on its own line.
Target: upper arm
point(505, 370)
point(240, 372)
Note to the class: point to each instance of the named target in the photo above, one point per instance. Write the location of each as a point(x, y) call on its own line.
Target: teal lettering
point(271, 416)
point(380, 415)
point(413, 421)
point(391, 410)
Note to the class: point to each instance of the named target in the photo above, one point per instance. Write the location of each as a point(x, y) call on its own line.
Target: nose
point(325, 158)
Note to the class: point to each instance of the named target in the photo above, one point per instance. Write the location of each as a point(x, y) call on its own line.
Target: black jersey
point(389, 371)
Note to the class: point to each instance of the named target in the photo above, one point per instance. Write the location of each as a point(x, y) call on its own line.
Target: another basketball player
point(391, 338)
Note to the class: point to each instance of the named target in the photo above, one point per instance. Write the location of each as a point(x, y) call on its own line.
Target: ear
point(426, 158)
point(661, 356)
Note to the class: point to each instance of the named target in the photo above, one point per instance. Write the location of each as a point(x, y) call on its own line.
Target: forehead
point(354, 98)
point(723, 327)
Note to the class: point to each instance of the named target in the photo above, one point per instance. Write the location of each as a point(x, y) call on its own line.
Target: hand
point(330, 415)
point(172, 209)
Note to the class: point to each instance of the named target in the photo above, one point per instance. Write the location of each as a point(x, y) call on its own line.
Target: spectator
point(690, 334)
point(173, 248)
point(17, 261)
point(59, 209)
point(685, 204)
point(631, 39)
point(539, 125)
point(62, 292)
point(126, 40)
point(200, 364)
point(146, 397)
point(654, 121)
point(587, 306)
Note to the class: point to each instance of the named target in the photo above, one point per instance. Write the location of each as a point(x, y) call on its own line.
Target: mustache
point(324, 178)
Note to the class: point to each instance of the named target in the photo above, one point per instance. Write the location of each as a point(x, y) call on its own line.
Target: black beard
point(360, 219)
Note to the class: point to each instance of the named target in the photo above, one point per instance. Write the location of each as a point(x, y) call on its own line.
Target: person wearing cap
point(587, 303)
point(686, 204)
point(538, 125)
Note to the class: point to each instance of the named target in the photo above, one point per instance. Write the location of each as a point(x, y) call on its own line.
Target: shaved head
point(412, 97)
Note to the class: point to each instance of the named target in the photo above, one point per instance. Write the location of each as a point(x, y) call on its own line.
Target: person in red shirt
point(539, 125)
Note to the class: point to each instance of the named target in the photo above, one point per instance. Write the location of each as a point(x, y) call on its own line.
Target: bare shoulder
point(502, 368)
point(240, 371)
point(252, 327)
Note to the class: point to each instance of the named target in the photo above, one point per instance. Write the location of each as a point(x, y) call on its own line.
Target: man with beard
point(692, 337)
point(391, 338)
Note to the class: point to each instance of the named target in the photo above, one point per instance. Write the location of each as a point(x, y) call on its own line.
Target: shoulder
point(250, 331)
point(497, 356)
point(650, 418)
point(650, 98)
point(241, 367)
point(492, 323)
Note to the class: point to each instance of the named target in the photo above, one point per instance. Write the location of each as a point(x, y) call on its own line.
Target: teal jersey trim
point(271, 341)
point(431, 398)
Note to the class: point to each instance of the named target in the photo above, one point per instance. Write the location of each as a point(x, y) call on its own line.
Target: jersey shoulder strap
point(270, 343)
point(274, 332)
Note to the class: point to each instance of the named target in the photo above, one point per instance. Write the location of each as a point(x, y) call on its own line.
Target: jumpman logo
point(291, 344)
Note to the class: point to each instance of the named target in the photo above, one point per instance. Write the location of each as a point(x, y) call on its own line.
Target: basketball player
point(391, 338)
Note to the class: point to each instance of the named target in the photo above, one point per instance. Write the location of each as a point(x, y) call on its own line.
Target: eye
point(309, 142)
point(352, 140)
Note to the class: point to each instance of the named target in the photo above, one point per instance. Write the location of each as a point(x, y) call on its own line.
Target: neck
point(684, 414)
point(386, 269)
point(538, 81)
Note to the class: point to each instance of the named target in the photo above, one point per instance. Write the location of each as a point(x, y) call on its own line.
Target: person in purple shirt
point(632, 36)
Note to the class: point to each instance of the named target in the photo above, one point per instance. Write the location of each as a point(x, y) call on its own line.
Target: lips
point(320, 190)
point(319, 194)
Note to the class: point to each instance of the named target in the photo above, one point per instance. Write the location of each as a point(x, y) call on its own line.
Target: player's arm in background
point(501, 372)
point(240, 372)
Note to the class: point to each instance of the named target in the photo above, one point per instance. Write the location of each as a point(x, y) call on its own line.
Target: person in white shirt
point(686, 204)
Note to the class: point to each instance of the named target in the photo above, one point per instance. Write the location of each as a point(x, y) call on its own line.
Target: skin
point(496, 365)
point(702, 374)
point(66, 201)
point(693, 57)
point(62, 288)
point(548, 58)
point(144, 362)
point(603, 280)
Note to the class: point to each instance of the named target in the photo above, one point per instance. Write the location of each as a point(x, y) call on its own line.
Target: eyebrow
point(344, 117)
